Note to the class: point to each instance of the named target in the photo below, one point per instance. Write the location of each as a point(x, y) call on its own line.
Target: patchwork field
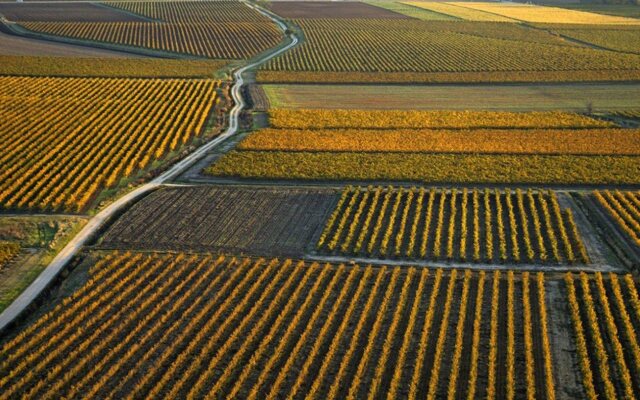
point(453, 225)
point(77, 65)
point(65, 12)
point(381, 200)
point(624, 208)
point(545, 14)
point(513, 97)
point(219, 29)
point(410, 51)
point(233, 327)
point(67, 139)
point(11, 45)
point(412, 11)
point(622, 39)
point(241, 220)
point(476, 147)
point(328, 9)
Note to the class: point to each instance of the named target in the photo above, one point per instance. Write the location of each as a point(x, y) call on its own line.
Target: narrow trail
point(50, 273)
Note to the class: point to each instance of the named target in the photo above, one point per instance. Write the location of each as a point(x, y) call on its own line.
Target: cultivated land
point(11, 45)
point(225, 29)
point(475, 45)
point(514, 97)
point(65, 12)
point(468, 225)
point(89, 117)
point(230, 327)
point(114, 67)
point(327, 9)
point(412, 11)
point(493, 255)
point(484, 147)
point(259, 221)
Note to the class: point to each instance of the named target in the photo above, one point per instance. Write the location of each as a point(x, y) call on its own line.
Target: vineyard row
point(66, 139)
point(186, 326)
point(478, 226)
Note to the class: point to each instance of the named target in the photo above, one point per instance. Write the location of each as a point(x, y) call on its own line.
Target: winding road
point(21, 304)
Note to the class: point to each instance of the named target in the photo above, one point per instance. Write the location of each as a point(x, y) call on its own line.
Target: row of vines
point(454, 225)
point(189, 326)
point(624, 208)
point(218, 29)
point(67, 139)
point(605, 314)
point(397, 46)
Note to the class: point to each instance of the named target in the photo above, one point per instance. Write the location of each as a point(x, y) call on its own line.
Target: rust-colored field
point(61, 12)
point(330, 9)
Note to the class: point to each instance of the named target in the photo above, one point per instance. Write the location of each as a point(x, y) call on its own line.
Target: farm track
point(99, 220)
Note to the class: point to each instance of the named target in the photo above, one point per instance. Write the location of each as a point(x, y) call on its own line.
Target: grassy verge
point(41, 238)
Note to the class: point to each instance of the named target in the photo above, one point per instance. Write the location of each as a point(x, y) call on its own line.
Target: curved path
point(21, 304)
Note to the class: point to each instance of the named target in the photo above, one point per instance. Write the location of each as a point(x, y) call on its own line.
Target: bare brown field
point(246, 220)
point(64, 12)
point(516, 97)
point(329, 9)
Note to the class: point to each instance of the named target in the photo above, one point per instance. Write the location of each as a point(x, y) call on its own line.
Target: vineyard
point(585, 141)
point(226, 327)
point(411, 11)
point(218, 29)
point(436, 147)
point(524, 98)
point(67, 139)
point(624, 208)
point(63, 12)
point(108, 68)
point(626, 40)
point(380, 47)
point(374, 119)
point(539, 14)
point(260, 221)
point(461, 225)
point(457, 10)
point(429, 168)
point(605, 316)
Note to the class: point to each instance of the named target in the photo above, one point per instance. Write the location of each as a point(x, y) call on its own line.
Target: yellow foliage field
point(588, 141)
point(375, 119)
point(66, 139)
point(544, 14)
point(457, 10)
